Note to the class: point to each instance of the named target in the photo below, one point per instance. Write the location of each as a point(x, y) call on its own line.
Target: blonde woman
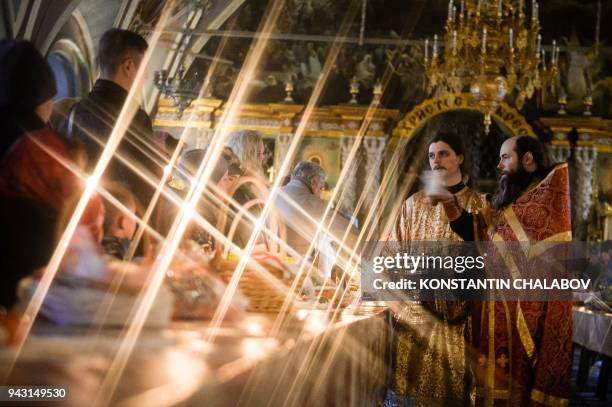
point(249, 147)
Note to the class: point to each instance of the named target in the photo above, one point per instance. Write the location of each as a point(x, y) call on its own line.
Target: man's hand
point(434, 189)
point(439, 195)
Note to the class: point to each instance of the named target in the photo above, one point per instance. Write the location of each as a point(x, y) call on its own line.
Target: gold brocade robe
point(430, 363)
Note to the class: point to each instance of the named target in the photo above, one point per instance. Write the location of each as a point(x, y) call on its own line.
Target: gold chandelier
point(495, 49)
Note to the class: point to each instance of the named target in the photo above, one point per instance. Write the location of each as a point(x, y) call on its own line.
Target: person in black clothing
point(92, 120)
point(119, 226)
point(27, 86)
point(33, 184)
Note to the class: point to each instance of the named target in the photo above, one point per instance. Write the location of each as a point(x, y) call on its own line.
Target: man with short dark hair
point(92, 120)
point(119, 55)
point(524, 348)
point(430, 355)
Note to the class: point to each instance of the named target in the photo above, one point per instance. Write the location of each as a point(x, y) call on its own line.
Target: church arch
point(506, 116)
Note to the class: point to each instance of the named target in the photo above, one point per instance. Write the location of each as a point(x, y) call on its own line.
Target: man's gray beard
point(511, 186)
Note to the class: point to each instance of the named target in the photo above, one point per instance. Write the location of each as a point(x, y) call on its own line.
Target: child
point(119, 226)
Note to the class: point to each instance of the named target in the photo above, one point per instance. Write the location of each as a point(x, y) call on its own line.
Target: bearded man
point(523, 347)
point(430, 354)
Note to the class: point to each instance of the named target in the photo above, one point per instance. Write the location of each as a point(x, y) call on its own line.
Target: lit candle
point(510, 37)
point(535, 13)
point(454, 40)
point(499, 6)
point(554, 48)
point(462, 7)
point(426, 49)
point(539, 44)
point(435, 46)
point(556, 54)
point(454, 13)
point(543, 58)
point(484, 40)
point(450, 9)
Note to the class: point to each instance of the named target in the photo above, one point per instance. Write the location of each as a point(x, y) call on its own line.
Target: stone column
point(558, 154)
point(347, 206)
point(281, 148)
point(374, 149)
point(582, 189)
point(201, 138)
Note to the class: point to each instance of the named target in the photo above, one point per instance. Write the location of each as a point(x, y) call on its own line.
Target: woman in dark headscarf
point(36, 178)
point(27, 87)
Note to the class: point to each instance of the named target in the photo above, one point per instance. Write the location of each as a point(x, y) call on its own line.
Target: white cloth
point(327, 256)
point(593, 330)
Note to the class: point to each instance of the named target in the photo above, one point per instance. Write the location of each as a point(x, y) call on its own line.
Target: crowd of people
point(44, 171)
point(45, 165)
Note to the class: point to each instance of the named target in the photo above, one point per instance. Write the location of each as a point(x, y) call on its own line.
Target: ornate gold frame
point(412, 121)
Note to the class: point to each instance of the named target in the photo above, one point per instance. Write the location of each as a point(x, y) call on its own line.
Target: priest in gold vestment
point(524, 348)
point(429, 347)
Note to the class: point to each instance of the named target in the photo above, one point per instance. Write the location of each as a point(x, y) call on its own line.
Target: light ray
point(127, 112)
point(284, 168)
point(181, 221)
point(389, 174)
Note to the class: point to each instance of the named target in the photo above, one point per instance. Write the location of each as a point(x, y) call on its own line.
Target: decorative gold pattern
point(275, 118)
point(502, 361)
point(548, 400)
point(412, 121)
point(490, 377)
point(493, 48)
point(597, 131)
point(537, 339)
point(496, 394)
point(430, 353)
point(524, 334)
point(421, 221)
point(452, 209)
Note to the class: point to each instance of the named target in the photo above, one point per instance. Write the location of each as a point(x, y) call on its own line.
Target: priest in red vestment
point(522, 348)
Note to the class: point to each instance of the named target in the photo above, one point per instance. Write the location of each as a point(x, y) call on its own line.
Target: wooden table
point(314, 360)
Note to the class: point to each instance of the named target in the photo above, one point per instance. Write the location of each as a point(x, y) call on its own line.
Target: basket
point(266, 289)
